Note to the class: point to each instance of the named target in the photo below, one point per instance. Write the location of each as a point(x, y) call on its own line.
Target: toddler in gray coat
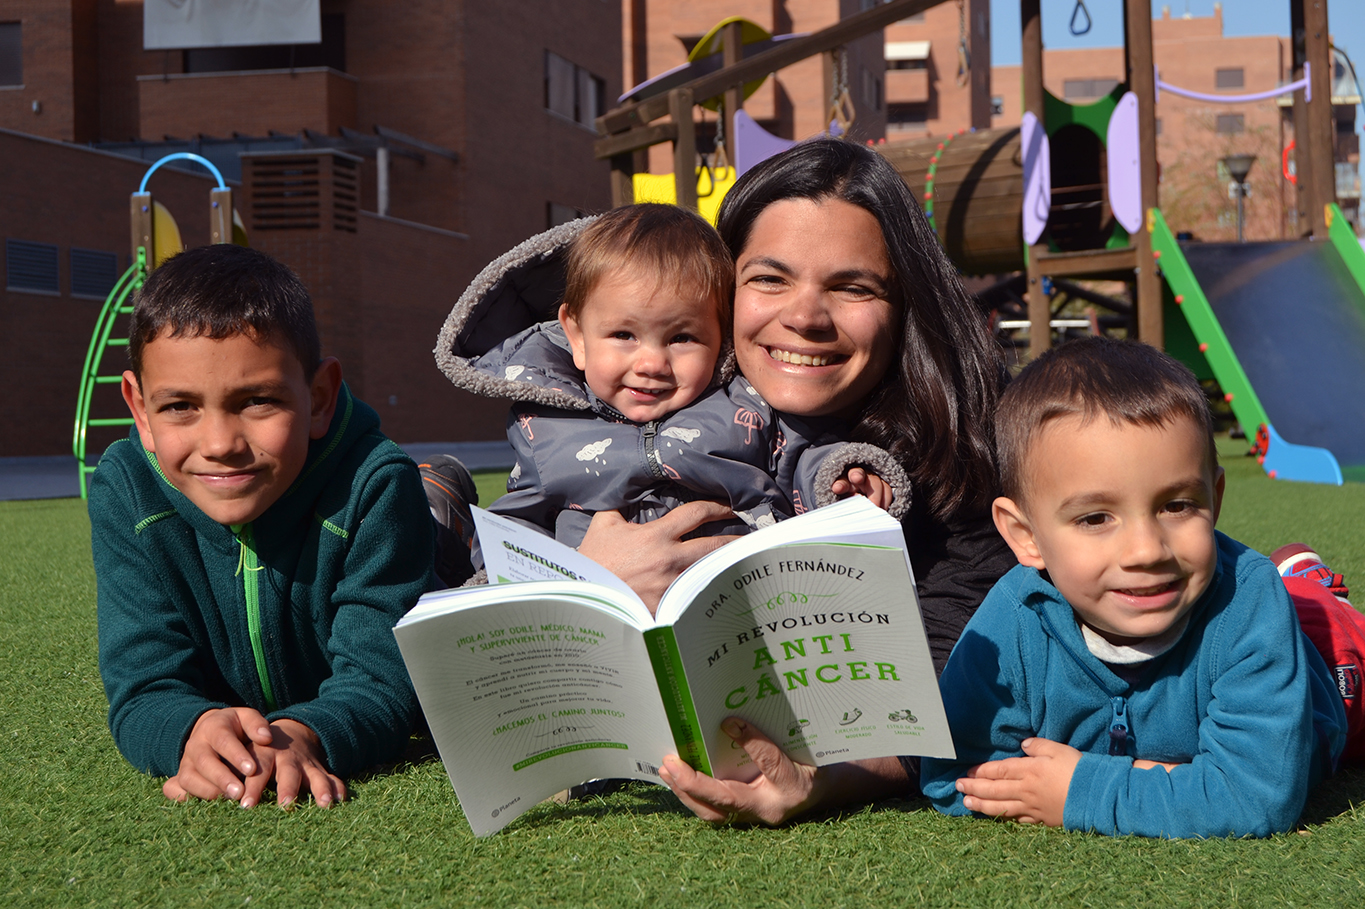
point(626, 396)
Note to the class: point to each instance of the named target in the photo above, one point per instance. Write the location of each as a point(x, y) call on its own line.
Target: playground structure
point(155, 238)
point(1072, 194)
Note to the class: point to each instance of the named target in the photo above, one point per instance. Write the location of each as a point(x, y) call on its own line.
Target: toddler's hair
point(674, 244)
point(1124, 381)
point(220, 291)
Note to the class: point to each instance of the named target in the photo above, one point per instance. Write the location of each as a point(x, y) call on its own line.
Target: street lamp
point(1238, 167)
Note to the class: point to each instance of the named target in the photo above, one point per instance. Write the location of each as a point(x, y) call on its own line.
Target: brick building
point(938, 71)
point(452, 130)
point(1192, 136)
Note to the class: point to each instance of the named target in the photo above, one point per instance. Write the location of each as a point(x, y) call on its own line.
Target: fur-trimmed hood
point(518, 294)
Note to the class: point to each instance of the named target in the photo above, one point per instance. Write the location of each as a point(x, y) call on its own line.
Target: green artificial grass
point(80, 828)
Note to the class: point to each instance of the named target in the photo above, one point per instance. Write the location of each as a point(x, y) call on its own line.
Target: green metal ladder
point(117, 304)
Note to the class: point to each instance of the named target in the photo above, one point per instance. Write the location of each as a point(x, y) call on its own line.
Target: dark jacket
point(341, 556)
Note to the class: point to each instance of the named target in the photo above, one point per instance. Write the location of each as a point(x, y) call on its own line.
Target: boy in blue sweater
point(255, 540)
point(1138, 673)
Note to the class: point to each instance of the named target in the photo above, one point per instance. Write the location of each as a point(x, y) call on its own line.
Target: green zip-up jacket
point(291, 614)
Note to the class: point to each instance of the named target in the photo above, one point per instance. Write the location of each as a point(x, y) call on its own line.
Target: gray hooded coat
point(576, 455)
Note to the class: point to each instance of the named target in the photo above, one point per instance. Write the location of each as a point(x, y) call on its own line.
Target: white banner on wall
point(175, 24)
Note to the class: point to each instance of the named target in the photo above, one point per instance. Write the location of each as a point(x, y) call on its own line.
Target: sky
point(1345, 20)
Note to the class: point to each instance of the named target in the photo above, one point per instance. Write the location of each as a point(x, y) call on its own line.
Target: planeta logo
point(1348, 681)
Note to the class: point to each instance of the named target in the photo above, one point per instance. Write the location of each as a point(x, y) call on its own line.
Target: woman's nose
point(807, 312)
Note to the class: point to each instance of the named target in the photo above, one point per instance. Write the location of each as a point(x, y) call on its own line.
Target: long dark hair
point(934, 410)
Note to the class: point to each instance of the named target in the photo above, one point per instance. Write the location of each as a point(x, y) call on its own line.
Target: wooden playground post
point(220, 216)
point(684, 147)
point(1313, 128)
point(1142, 82)
point(1039, 310)
point(140, 209)
point(732, 53)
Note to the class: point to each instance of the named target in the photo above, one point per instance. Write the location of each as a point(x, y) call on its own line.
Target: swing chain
point(841, 109)
point(964, 56)
point(722, 159)
point(1080, 10)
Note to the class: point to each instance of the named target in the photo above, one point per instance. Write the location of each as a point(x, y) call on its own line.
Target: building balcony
point(907, 86)
point(253, 102)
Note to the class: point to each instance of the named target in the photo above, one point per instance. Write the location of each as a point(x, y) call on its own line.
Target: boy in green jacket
point(255, 540)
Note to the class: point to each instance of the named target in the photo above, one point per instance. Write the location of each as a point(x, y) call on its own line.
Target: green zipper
point(249, 567)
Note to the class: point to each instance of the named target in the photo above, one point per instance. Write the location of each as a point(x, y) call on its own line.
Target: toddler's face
point(645, 348)
point(1121, 518)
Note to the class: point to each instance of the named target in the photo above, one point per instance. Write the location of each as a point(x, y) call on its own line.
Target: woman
point(846, 309)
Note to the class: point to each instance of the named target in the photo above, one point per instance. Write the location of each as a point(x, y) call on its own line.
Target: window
point(997, 105)
point(573, 92)
point(93, 273)
point(31, 267)
point(872, 90)
point(1087, 88)
point(11, 53)
point(1230, 123)
point(906, 54)
point(331, 51)
point(1228, 78)
point(907, 116)
point(1158, 126)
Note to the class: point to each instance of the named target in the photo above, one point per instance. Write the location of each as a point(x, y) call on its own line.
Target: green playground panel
point(1193, 334)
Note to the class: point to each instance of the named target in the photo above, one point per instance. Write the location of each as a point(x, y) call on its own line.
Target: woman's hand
point(649, 556)
point(784, 789)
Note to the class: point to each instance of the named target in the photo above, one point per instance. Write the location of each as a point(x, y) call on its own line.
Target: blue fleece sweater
point(1243, 701)
point(292, 615)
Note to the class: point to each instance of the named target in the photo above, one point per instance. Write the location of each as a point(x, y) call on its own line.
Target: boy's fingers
point(254, 785)
point(287, 782)
point(255, 726)
point(172, 790)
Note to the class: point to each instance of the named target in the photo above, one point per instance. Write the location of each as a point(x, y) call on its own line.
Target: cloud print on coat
point(681, 434)
point(592, 451)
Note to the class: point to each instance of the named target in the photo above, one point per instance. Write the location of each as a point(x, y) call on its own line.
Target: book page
point(531, 690)
point(819, 645)
point(514, 552)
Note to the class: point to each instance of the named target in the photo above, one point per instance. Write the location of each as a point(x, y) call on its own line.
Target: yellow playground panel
point(712, 185)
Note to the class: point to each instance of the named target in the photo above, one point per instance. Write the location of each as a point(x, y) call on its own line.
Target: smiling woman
point(849, 319)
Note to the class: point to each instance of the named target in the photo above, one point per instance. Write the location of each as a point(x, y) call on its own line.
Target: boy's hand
point(234, 752)
point(859, 481)
point(1029, 789)
point(294, 759)
point(216, 760)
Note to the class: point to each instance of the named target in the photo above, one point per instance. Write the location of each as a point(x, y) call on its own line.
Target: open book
point(808, 629)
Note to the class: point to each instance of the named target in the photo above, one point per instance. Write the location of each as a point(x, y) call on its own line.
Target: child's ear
point(1015, 527)
point(323, 397)
point(574, 332)
point(132, 396)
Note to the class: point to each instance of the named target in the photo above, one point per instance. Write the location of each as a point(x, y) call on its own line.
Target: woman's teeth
point(798, 359)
